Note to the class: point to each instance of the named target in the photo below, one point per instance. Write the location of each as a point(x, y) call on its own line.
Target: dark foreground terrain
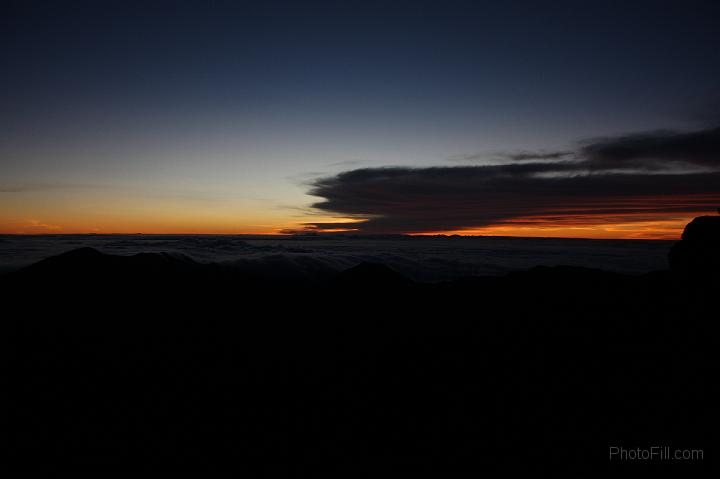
point(156, 362)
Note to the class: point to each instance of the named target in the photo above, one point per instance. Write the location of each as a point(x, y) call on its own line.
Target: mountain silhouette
point(703, 228)
point(89, 261)
point(156, 362)
point(372, 275)
point(696, 257)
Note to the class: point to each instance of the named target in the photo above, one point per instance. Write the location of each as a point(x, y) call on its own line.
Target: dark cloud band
point(634, 177)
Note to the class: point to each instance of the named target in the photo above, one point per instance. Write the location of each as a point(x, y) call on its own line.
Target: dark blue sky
point(232, 105)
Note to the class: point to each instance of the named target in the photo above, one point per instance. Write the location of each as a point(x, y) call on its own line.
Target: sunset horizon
point(663, 229)
point(397, 237)
point(404, 120)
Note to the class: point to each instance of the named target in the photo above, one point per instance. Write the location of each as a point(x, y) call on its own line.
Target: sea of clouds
point(420, 258)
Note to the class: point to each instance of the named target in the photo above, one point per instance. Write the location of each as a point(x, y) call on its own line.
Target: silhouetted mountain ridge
point(158, 362)
point(86, 260)
point(372, 274)
point(696, 257)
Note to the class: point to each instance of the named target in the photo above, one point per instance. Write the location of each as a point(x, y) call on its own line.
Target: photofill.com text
point(655, 453)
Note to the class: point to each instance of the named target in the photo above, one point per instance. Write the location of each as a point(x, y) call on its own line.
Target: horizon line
point(343, 234)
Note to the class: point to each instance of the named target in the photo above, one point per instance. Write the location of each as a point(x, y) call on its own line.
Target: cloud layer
point(308, 257)
point(628, 178)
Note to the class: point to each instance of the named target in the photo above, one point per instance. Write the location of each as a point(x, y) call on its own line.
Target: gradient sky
point(222, 117)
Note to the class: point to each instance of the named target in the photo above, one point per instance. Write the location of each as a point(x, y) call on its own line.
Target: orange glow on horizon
point(590, 227)
point(214, 226)
point(652, 223)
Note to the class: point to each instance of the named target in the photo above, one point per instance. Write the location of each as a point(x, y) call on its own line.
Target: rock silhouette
point(696, 257)
point(371, 275)
point(91, 261)
point(155, 362)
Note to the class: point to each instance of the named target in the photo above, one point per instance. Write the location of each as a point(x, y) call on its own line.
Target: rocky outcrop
point(697, 256)
point(371, 275)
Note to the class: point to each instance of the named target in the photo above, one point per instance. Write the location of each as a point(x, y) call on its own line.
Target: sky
point(579, 119)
